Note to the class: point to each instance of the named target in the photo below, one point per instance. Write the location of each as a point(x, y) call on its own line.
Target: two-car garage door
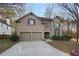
point(31, 36)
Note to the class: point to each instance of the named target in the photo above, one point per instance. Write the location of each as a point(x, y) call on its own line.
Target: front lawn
point(65, 46)
point(5, 44)
point(3, 41)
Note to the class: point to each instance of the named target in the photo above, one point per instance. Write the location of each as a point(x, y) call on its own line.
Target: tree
point(49, 11)
point(73, 10)
point(11, 11)
point(49, 14)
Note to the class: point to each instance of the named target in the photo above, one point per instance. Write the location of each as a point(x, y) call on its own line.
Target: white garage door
point(31, 36)
point(25, 36)
point(37, 36)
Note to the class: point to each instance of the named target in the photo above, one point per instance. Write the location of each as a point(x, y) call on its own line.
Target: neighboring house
point(32, 27)
point(5, 28)
point(10, 20)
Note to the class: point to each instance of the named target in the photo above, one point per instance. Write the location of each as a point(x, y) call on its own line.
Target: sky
point(39, 9)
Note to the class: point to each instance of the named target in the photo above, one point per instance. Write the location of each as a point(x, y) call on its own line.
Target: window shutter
point(34, 21)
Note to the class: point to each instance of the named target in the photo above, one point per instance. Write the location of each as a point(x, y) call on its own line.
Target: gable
point(41, 18)
point(56, 20)
point(18, 20)
point(25, 20)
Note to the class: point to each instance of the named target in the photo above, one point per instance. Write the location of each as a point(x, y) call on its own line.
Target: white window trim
point(56, 25)
point(31, 21)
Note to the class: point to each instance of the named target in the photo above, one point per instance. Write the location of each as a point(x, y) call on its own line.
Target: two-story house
point(32, 27)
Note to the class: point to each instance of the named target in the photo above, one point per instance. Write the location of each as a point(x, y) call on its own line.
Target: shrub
point(67, 38)
point(14, 37)
point(63, 37)
point(55, 37)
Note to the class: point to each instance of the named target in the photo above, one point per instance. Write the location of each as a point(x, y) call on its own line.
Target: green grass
point(3, 41)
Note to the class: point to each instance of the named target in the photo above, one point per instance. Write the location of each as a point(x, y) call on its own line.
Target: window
point(57, 32)
point(56, 25)
point(31, 21)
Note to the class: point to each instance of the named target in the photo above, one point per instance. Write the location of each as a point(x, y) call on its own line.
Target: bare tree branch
point(73, 10)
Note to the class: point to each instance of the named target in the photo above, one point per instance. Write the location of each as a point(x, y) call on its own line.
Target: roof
point(60, 18)
point(63, 20)
point(41, 18)
point(45, 19)
point(4, 22)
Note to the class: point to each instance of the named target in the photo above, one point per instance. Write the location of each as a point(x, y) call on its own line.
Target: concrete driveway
point(33, 48)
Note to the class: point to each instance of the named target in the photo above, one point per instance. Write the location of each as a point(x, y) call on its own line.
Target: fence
point(4, 36)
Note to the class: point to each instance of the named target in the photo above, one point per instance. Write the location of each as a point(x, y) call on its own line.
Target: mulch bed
point(65, 46)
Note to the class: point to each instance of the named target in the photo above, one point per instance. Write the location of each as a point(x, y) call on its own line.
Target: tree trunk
point(77, 33)
point(50, 30)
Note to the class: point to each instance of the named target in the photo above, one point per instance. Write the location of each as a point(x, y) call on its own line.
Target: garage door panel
point(25, 36)
point(37, 36)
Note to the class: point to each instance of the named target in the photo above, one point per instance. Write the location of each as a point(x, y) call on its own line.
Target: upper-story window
point(31, 21)
point(56, 25)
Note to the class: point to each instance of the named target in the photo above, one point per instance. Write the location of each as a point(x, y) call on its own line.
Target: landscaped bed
point(5, 44)
point(65, 46)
